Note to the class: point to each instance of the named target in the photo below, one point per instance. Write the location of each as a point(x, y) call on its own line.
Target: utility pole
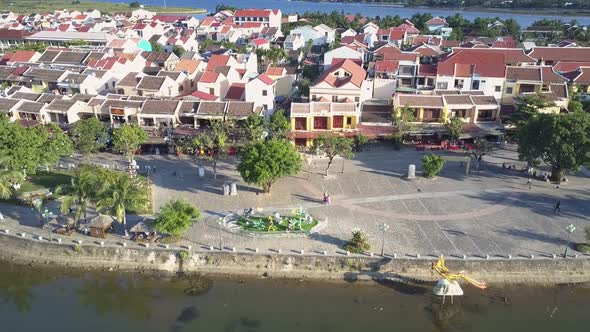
point(383, 227)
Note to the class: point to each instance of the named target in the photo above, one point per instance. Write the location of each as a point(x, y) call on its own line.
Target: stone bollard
point(554, 256)
point(464, 256)
point(256, 250)
point(79, 241)
point(124, 244)
point(325, 253)
point(509, 256)
point(347, 253)
point(166, 246)
point(22, 234)
point(211, 248)
point(189, 247)
point(394, 255)
point(58, 240)
point(487, 256)
point(371, 254)
point(418, 256)
point(147, 245)
point(532, 256)
point(279, 251)
point(101, 243)
point(6, 231)
point(302, 251)
point(233, 249)
point(40, 238)
point(575, 255)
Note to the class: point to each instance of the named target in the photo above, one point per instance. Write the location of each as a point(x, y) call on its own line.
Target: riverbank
point(310, 266)
point(33, 6)
point(523, 11)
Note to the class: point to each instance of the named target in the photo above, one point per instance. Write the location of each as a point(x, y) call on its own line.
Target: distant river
point(364, 9)
point(35, 299)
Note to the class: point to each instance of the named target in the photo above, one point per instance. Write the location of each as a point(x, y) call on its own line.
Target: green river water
point(39, 299)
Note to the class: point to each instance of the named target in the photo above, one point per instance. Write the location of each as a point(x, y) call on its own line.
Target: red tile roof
point(549, 76)
point(356, 77)
point(236, 91)
point(523, 73)
point(386, 66)
point(217, 60)
point(260, 41)
point(265, 79)
point(397, 34)
point(253, 13)
point(203, 95)
point(22, 56)
point(582, 75)
point(275, 71)
point(427, 70)
point(436, 21)
point(565, 67)
point(209, 77)
point(567, 54)
point(512, 56)
point(169, 18)
point(465, 63)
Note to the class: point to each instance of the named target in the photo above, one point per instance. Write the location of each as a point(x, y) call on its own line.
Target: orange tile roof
point(209, 77)
point(357, 74)
point(187, 65)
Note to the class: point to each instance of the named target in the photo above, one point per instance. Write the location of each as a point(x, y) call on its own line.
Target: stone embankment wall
point(504, 271)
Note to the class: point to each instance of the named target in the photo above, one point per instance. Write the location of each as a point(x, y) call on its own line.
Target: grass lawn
point(46, 180)
point(262, 224)
point(45, 6)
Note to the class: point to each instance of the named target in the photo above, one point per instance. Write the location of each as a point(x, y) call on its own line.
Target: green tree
point(529, 106)
point(127, 139)
point(81, 192)
point(359, 242)
point(252, 128)
point(214, 140)
point(175, 217)
point(178, 50)
point(75, 42)
point(303, 87)
point(279, 125)
point(560, 141)
point(263, 163)
point(360, 141)
point(122, 193)
point(481, 147)
point(455, 128)
point(575, 106)
point(403, 119)
point(57, 144)
point(157, 47)
point(134, 4)
point(432, 165)
point(89, 135)
point(8, 178)
point(332, 146)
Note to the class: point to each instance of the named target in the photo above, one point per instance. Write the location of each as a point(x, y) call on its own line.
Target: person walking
point(529, 183)
point(557, 207)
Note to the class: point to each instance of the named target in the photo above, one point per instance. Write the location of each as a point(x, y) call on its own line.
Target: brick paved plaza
point(490, 212)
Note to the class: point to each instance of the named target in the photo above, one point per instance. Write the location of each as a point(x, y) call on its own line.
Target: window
point(498, 88)
point(334, 99)
point(265, 106)
point(180, 88)
point(106, 85)
point(314, 97)
point(113, 83)
point(357, 99)
point(509, 91)
point(264, 93)
point(346, 73)
point(442, 85)
point(406, 82)
point(459, 84)
point(349, 121)
point(211, 91)
point(475, 85)
point(192, 83)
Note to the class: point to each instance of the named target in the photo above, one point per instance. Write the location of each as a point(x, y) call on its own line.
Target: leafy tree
point(89, 135)
point(333, 146)
point(127, 139)
point(303, 87)
point(432, 165)
point(134, 4)
point(359, 242)
point(359, 143)
point(82, 191)
point(75, 42)
point(157, 47)
point(560, 141)
point(529, 106)
point(220, 7)
point(25, 149)
point(214, 141)
point(575, 106)
point(455, 128)
point(121, 193)
point(252, 128)
point(8, 178)
point(175, 217)
point(178, 50)
point(481, 147)
point(279, 125)
point(263, 163)
point(403, 119)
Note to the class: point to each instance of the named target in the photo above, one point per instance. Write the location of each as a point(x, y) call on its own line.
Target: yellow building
point(309, 120)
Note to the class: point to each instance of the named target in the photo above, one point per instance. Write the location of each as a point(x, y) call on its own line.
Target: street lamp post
point(221, 224)
point(569, 229)
point(383, 227)
point(46, 215)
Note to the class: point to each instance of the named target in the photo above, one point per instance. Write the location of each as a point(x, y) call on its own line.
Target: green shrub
point(359, 242)
point(432, 165)
point(583, 247)
point(183, 255)
point(359, 142)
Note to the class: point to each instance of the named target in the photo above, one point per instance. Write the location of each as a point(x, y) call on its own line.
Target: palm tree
point(122, 193)
point(8, 178)
point(82, 189)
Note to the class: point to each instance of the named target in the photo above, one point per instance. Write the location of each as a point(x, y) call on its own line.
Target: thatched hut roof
point(144, 226)
point(64, 219)
point(101, 221)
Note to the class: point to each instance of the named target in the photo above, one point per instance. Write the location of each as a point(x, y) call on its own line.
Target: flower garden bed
point(295, 222)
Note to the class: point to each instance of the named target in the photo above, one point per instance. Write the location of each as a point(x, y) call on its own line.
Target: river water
point(364, 9)
point(36, 299)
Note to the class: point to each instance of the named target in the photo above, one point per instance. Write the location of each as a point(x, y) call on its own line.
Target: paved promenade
point(490, 212)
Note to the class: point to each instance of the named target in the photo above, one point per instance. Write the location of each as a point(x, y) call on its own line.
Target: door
point(320, 122)
point(338, 121)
